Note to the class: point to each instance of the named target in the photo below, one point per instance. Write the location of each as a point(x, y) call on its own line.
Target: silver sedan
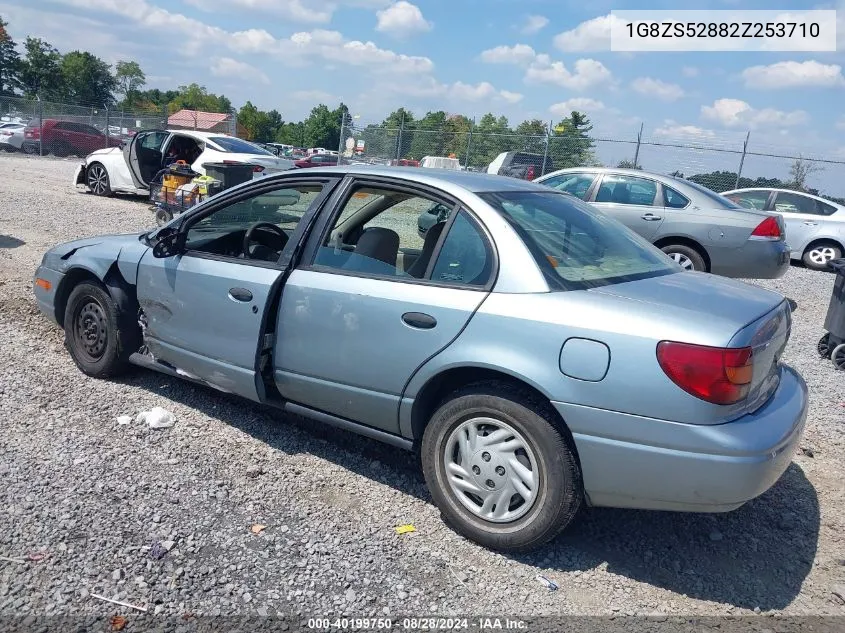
point(815, 226)
point(695, 226)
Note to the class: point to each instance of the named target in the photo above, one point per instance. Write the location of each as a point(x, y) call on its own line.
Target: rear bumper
point(757, 259)
point(634, 462)
point(46, 299)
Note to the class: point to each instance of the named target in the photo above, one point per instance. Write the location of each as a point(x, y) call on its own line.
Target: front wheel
point(94, 335)
point(686, 257)
point(97, 178)
point(499, 469)
point(818, 256)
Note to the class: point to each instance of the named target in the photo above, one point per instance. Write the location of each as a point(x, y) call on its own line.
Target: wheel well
point(440, 386)
point(825, 240)
point(72, 278)
point(685, 241)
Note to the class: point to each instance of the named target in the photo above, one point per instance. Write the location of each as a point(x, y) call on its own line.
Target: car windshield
point(238, 146)
point(576, 246)
point(719, 200)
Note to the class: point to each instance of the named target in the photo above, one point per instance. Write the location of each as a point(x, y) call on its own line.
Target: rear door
point(801, 216)
point(355, 324)
point(632, 200)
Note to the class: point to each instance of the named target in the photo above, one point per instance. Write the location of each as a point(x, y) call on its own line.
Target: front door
point(205, 310)
point(374, 300)
point(631, 200)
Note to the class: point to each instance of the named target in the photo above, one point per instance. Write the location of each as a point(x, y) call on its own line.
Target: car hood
point(108, 150)
point(700, 295)
point(99, 255)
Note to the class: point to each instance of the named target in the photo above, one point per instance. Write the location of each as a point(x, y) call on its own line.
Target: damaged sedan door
point(206, 287)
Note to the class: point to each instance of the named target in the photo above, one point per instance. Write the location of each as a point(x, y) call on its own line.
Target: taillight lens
point(257, 169)
point(715, 374)
point(768, 229)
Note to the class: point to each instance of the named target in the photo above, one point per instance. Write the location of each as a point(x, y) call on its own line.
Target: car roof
point(474, 182)
point(611, 170)
point(781, 190)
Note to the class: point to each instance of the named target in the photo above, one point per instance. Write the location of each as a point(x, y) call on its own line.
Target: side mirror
point(168, 246)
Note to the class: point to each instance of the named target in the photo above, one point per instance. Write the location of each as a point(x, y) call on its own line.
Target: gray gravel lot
point(83, 499)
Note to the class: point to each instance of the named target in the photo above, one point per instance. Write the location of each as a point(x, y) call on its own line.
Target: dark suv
point(522, 165)
point(63, 138)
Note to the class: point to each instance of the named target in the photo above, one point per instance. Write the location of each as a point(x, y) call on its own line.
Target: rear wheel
point(685, 256)
point(98, 180)
point(818, 255)
point(98, 344)
point(499, 469)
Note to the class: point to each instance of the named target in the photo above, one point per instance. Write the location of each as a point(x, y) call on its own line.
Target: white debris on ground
point(156, 418)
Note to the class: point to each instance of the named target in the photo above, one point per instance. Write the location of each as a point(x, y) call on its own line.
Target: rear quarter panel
point(718, 228)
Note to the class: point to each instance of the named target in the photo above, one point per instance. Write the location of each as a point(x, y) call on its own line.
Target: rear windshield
point(720, 201)
point(576, 246)
point(238, 146)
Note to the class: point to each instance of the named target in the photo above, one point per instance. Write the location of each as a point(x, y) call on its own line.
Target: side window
point(750, 199)
point(383, 232)
point(89, 129)
point(153, 140)
point(627, 190)
point(673, 199)
point(223, 232)
point(576, 184)
point(794, 203)
point(465, 257)
point(824, 208)
point(63, 125)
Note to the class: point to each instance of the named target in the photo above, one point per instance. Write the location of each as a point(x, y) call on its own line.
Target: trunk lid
point(756, 318)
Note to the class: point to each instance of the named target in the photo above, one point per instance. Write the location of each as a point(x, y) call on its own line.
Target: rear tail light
point(257, 169)
point(530, 173)
point(714, 374)
point(768, 229)
point(32, 132)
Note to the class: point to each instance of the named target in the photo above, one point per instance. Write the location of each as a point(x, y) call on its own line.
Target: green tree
point(87, 79)
point(628, 164)
point(491, 137)
point(535, 134)
point(571, 145)
point(428, 137)
point(399, 123)
point(196, 97)
point(801, 170)
point(322, 127)
point(260, 126)
point(457, 130)
point(291, 134)
point(130, 79)
point(41, 70)
point(10, 62)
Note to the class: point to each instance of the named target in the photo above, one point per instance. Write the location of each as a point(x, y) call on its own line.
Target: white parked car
point(132, 167)
point(11, 136)
point(441, 162)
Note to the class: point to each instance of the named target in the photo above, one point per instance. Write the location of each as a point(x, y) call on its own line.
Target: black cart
point(832, 344)
point(230, 174)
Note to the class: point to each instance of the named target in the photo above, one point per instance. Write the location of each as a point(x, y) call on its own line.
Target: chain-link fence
point(719, 161)
point(61, 129)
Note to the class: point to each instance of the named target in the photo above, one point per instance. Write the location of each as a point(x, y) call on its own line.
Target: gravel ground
point(86, 505)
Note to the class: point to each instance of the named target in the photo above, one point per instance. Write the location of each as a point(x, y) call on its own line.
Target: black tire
point(818, 255)
point(98, 336)
point(559, 492)
point(838, 356)
point(61, 149)
point(686, 256)
point(823, 348)
point(97, 180)
point(28, 148)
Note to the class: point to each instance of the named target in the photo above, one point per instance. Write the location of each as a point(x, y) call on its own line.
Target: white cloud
point(587, 74)
point(293, 10)
point(689, 71)
point(577, 104)
point(592, 35)
point(656, 88)
point(737, 113)
point(794, 75)
point(672, 129)
point(520, 54)
point(511, 97)
point(233, 69)
point(314, 96)
point(297, 50)
point(428, 87)
point(534, 24)
point(401, 19)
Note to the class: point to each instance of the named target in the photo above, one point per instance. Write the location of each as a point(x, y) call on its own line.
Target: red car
point(63, 138)
point(317, 160)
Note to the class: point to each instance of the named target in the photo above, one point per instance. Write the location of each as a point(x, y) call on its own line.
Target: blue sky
point(521, 58)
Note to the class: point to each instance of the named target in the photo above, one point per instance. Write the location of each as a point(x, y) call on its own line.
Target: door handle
point(808, 223)
point(419, 320)
point(650, 217)
point(240, 294)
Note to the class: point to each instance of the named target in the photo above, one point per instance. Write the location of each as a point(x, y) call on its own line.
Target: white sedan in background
point(132, 167)
point(11, 136)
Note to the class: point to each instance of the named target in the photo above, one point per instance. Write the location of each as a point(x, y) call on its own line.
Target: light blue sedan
point(539, 355)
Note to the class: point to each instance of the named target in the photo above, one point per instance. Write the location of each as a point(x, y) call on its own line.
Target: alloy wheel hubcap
point(91, 329)
point(822, 255)
point(682, 260)
point(491, 469)
point(97, 180)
